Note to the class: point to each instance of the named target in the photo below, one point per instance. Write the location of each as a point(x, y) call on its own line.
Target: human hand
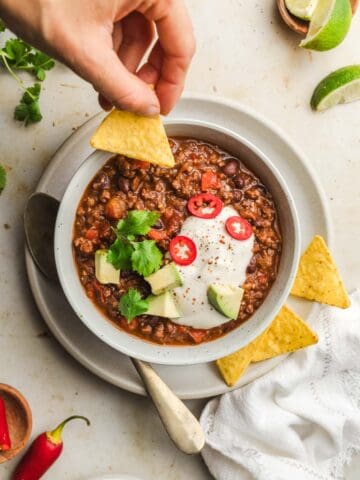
point(104, 41)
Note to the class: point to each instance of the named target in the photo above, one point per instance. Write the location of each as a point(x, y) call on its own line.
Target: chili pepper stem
point(55, 435)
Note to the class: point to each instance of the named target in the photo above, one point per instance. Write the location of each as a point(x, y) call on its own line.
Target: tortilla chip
point(135, 136)
point(234, 366)
point(287, 333)
point(318, 278)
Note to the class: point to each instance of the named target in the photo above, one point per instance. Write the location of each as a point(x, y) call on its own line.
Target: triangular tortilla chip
point(135, 136)
point(318, 278)
point(287, 333)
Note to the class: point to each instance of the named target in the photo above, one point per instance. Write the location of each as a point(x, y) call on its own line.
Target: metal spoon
point(181, 425)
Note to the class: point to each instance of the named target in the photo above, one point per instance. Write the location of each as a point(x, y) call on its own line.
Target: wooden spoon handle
point(181, 425)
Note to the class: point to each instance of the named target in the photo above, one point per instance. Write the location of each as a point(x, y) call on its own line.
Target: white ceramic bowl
point(133, 346)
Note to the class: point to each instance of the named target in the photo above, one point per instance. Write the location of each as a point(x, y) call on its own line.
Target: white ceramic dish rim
point(134, 346)
point(51, 302)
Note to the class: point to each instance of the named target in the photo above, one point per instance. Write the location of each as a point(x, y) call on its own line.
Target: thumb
point(120, 87)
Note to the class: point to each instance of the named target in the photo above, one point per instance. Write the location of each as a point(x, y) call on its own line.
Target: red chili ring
point(205, 206)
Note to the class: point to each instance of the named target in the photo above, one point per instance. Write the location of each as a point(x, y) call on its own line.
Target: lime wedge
point(329, 25)
point(341, 86)
point(303, 9)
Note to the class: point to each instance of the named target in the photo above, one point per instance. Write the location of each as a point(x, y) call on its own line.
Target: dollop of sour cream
point(220, 259)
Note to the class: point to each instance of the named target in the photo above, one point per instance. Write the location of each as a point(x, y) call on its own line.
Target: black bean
point(159, 225)
point(239, 181)
point(124, 184)
point(231, 168)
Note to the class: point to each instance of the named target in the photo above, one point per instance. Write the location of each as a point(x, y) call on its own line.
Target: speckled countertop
point(244, 53)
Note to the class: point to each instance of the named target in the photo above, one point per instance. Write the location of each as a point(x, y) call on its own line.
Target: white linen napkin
point(301, 421)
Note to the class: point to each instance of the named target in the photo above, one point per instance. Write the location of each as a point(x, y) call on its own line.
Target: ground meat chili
point(123, 185)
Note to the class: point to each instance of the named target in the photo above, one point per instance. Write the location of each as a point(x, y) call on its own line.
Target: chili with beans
point(124, 184)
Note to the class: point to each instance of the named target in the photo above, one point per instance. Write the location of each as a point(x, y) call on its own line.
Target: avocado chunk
point(105, 272)
point(163, 305)
point(165, 279)
point(226, 299)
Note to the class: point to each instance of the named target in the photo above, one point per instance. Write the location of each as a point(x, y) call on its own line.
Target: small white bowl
point(133, 346)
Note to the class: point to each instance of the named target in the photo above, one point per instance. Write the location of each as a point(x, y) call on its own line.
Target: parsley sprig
point(17, 55)
point(131, 305)
point(129, 253)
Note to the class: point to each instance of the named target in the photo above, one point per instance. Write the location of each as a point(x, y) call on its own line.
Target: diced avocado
point(226, 299)
point(163, 306)
point(104, 271)
point(164, 279)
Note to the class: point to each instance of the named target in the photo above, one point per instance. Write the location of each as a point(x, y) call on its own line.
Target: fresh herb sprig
point(131, 305)
point(128, 253)
point(17, 55)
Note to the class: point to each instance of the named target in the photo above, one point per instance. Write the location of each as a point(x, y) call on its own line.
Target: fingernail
point(152, 110)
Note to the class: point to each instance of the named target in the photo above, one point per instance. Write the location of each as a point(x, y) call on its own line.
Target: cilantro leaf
point(16, 52)
point(2, 26)
point(40, 63)
point(28, 110)
point(146, 258)
point(2, 178)
point(131, 304)
point(137, 222)
point(119, 255)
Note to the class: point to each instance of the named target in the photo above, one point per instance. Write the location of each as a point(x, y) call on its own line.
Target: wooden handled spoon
point(298, 25)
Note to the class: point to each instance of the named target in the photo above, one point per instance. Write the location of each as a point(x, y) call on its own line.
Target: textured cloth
point(301, 421)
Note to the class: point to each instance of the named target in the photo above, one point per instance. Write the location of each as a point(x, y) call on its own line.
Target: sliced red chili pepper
point(182, 250)
point(209, 181)
point(238, 228)
point(205, 205)
point(157, 235)
point(5, 443)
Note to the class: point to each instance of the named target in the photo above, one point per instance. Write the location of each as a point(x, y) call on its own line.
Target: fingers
point(131, 38)
point(177, 44)
point(100, 65)
point(137, 35)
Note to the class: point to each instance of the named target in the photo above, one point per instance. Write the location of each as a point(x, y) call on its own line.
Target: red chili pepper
point(209, 181)
point(205, 205)
point(5, 442)
point(43, 452)
point(238, 228)
point(182, 250)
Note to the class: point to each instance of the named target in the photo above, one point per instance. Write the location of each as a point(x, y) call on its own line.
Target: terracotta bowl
point(19, 420)
point(300, 26)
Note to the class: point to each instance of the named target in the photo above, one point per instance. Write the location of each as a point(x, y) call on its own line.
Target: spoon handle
point(181, 425)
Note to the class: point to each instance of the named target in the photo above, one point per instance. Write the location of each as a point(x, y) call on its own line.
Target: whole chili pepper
point(5, 443)
point(43, 452)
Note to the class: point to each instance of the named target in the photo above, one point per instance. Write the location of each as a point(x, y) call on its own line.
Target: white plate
point(194, 381)
point(114, 477)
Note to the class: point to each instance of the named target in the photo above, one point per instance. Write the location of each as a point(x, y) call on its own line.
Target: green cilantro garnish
point(120, 254)
point(28, 110)
point(131, 304)
point(18, 55)
point(2, 178)
point(144, 257)
point(137, 222)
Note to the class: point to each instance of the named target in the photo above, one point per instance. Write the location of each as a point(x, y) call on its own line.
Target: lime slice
point(341, 86)
point(329, 25)
point(303, 9)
